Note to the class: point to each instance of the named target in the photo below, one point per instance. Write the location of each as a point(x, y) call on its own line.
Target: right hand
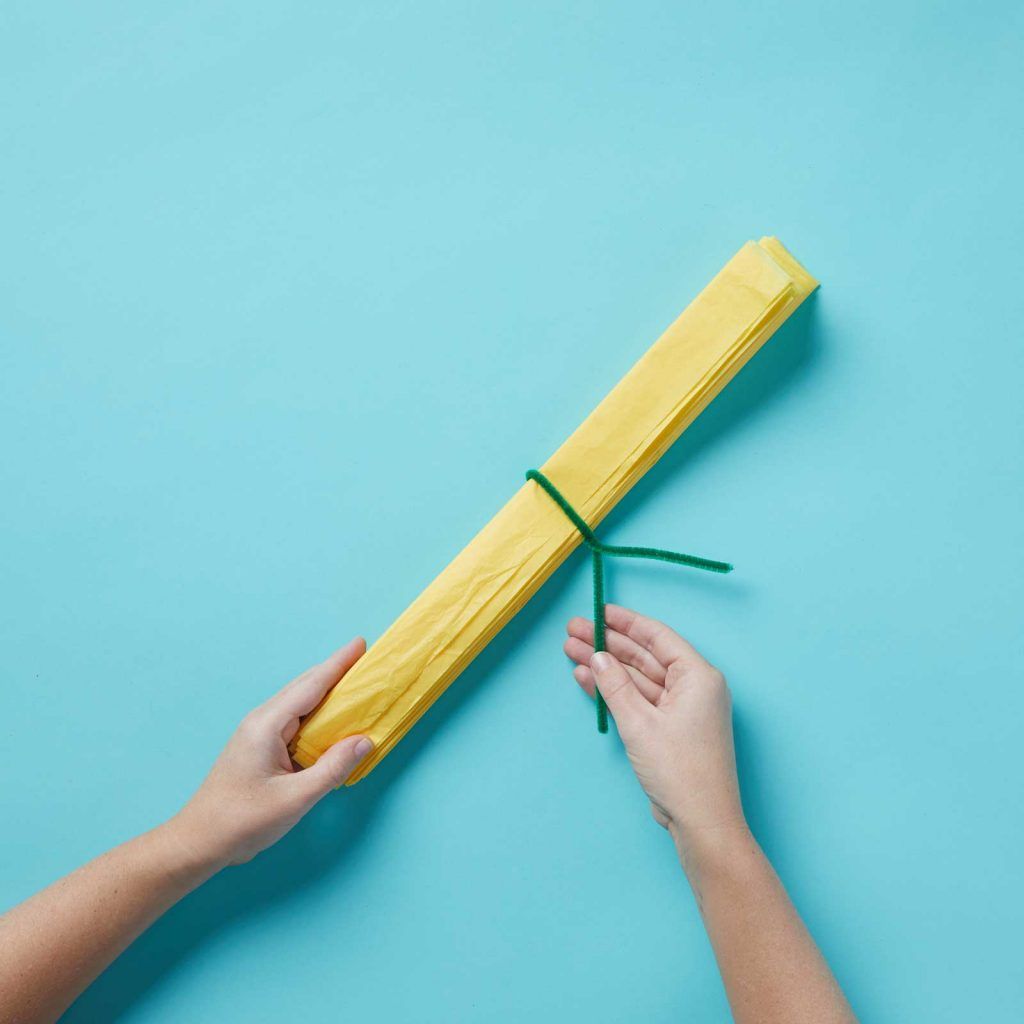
point(674, 715)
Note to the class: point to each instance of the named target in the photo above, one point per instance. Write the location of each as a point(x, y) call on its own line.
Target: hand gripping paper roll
point(503, 566)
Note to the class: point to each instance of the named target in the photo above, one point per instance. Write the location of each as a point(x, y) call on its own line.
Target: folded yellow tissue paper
point(441, 632)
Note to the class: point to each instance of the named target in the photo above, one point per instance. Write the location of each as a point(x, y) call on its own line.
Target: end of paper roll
point(303, 756)
point(803, 283)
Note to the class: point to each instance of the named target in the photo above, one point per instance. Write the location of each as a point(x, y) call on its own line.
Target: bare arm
point(53, 945)
point(674, 714)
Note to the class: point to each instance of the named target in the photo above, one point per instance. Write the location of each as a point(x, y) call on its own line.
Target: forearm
point(770, 965)
point(55, 944)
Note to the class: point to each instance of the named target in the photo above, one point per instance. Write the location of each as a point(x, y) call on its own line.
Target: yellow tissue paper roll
point(441, 632)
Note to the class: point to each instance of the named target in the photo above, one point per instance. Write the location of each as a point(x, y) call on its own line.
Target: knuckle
point(251, 725)
point(614, 684)
point(338, 769)
point(715, 679)
point(335, 777)
point(675, 673)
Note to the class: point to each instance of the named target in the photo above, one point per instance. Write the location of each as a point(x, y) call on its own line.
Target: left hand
point(254, 793)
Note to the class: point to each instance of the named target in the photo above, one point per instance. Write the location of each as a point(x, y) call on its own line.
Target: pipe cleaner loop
point(597, 552)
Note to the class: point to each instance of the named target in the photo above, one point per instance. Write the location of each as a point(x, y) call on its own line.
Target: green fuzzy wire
point(597, 552)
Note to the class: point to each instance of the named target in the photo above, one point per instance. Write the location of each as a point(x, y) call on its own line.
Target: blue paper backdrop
point(293, 295)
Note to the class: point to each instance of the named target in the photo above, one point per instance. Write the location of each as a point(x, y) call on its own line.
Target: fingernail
point(363, 747)
point(601, 661)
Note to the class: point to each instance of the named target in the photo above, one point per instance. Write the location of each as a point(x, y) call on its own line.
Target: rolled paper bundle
point(441, 632)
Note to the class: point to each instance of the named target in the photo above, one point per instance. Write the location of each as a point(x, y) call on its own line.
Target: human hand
point(254, 793)
point(674, 714)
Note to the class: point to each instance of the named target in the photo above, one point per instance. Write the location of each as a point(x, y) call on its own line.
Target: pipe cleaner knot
point(598, 550)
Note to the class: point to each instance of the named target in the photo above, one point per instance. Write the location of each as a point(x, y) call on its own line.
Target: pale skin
point(673, 712)
point(55, 944)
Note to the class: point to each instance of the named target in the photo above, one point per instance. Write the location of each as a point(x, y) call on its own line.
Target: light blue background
point(292, 296)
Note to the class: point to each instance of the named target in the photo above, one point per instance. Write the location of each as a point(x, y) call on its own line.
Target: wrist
point(712, 848)
point(188, 850)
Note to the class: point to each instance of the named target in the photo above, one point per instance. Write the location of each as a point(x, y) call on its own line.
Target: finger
point(583, 676)
point(582, 652)
point(663, 642)
point(626, 703)
point(303, 693)
point(627, 650)
point(332, 768)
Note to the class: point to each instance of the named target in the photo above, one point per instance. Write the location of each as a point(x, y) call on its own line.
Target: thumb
point(334, 766)
point(627, 704)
